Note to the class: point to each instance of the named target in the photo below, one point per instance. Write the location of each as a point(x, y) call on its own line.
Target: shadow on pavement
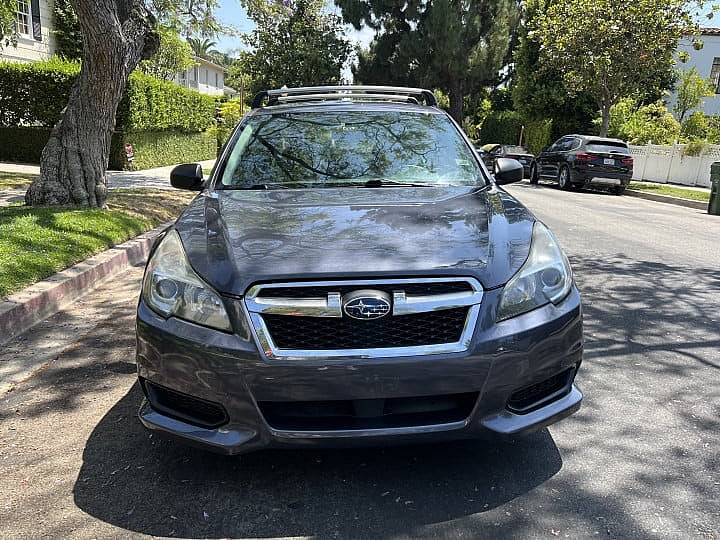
point(160, 488)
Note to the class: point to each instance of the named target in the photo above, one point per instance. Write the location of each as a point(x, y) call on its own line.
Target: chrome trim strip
point(345, 433)
point(309, 307)
point(407, 305)
point(318, 307)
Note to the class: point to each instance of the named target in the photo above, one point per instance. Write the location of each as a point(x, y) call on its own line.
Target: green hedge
point(501, 127)
point(150, 104)
point(164, 122)
point(152, 149)
point(35, 93)
point(159, 148)
point(23, 144)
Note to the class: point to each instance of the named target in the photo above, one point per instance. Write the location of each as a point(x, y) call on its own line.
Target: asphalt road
point(640, 460)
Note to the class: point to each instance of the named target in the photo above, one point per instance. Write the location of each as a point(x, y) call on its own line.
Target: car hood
point(236, 238)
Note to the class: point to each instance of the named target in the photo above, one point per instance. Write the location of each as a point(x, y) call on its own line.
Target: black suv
point(350, 273)
point(585, 161)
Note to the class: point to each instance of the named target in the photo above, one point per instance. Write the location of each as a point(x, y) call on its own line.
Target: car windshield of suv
point(607, 147)
point(348, 148)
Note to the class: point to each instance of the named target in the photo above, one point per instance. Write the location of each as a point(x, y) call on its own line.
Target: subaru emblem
point(366, 304)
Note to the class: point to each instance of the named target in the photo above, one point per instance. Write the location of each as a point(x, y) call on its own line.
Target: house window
point(24, 17)
point(715, 74)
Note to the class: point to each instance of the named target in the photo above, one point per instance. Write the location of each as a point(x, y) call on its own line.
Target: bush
point(159, 148)
point(23, 144)
point(501, 127)
point(230, 112)
point(164, 121)
point(150, 104)
point(538, 134)
point(35, 93)
point(650, 123)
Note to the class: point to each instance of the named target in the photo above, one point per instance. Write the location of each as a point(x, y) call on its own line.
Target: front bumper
point(517, 377)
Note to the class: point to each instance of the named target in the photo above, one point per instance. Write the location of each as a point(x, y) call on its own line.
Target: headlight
point(173, 289)
point(545, 277)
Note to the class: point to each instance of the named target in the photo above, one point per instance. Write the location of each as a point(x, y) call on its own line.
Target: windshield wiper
point(382, 182)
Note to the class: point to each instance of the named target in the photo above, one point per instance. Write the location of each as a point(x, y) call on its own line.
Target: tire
point(564, 180)
point(618, 190)
point(534, 174)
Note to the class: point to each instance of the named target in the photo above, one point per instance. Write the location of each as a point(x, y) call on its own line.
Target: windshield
point(348, 148)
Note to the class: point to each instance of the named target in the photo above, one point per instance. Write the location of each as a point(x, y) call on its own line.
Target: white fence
point(668, 165)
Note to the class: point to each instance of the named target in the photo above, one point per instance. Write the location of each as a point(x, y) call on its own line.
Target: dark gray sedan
point(350, 273)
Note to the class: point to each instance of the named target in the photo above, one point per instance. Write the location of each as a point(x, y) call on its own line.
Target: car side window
point(567, 144)
point(554, 147)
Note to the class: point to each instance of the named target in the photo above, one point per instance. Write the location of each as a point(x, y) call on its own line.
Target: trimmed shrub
point(150, 104)
point(23, 143)
point(159, 148)
point(163, 121)
point(35, 93)
point(501, 127)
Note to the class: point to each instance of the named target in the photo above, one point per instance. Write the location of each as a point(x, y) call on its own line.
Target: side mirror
point(187, 176)
point(508, 171)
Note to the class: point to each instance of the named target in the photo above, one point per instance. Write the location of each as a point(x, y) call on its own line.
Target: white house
point(205, 77)
point(707, 61)
point(35, 41)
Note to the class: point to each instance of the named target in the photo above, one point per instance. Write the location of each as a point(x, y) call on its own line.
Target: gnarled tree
point(117, 34)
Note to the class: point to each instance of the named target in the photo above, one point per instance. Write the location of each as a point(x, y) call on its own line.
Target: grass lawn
point(672, 191)
point(37, 242)
point(10, 180)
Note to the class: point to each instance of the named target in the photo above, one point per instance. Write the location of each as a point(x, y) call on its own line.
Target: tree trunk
point(456, 99)
point(605, 111)
point(117, 34)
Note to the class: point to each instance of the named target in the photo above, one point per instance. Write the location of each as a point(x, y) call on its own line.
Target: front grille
point(360, 414)
point(533, 397)
point(322, 333)
point(310, 319)
point(183, 407)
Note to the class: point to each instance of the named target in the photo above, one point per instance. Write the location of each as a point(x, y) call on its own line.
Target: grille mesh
point(323, 333)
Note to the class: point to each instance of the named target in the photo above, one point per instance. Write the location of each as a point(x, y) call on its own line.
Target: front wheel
point(533, 174)
point(564, 179)
point(619, 190)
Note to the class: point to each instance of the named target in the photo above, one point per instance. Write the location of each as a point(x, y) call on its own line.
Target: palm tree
point(203, 48)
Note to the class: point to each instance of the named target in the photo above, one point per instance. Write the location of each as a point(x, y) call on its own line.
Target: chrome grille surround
point(331, 306)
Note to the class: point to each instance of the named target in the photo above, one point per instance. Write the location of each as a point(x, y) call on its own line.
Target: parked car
point(585, 161)
point(350, 273)
point(491, 152)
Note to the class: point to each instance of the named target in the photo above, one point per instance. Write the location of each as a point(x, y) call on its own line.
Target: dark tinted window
point(298, 149)
point(607, 146)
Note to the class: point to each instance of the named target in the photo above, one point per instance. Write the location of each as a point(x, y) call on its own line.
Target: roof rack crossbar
point(323, 93)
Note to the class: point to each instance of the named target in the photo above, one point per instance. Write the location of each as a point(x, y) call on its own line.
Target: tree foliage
point(66, 28)
point(540, 94)
point(454, 45)
point(305, 47)
point(691, 90)
point(8, 36)
point(612, 48)
point(172, 57)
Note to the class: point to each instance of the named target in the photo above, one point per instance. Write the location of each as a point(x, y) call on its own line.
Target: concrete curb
point(699, 205)
point(21, 311)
